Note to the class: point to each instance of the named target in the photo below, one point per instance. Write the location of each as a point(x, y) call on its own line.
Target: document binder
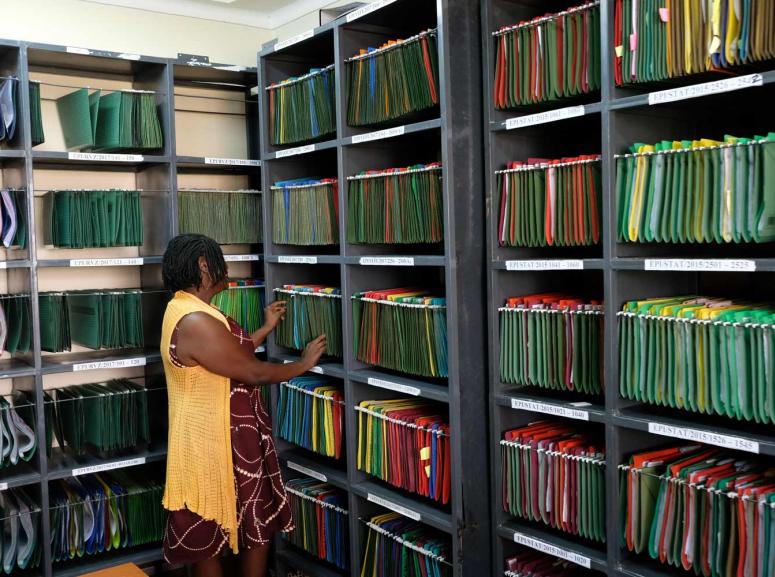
point(302, 108)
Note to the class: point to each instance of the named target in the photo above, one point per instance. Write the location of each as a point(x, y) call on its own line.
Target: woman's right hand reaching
point(313, 351)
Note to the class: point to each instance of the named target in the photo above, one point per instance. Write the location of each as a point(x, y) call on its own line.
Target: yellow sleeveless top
point(200, 473)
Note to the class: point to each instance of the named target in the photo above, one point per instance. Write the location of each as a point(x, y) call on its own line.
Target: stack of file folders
point(302, 108)
point(118, 121)
point(552, 341)
point(36, 114)
point(656, 40)
point(403, 329)
point(554, 475)
point(243, 301)
point(396, 206)
point(104, 417)
point(699, 509)
point(94, 218)
point(310, 415)
point(18, 441)
point(320, 513)
point(397, 79)
point(15, 324)
point(550, 202)
point(697, 191)
point(706, 355)
point(305, 212)
point(535, 564)
point(396, 547)
point(227, 216)
point(13, 218)
point(405, 443)
point(548, 58)
point(20, 544)
point(9, 108)
point(312, 310)
point(94, 514)
point(95, 319)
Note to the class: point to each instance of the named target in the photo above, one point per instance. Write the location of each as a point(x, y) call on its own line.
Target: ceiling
point(267, 14)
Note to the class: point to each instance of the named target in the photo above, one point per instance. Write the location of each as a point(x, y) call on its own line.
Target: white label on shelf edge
point(545, 547)
point(696, 264)
point(306, 471)
point(116, 364)
point(3, 264)
point(406, 389)
point(76, 50)
point(549, 409)
point(394, 507)
point(240, 257)
point(706, 88)
point(261, 349)
point(295, 151)
point(3, 486)
point(708, 437)
point(98, 157)
point(544, 264)
point(232, 161)
point(108, 466)
point(379, 134)
point(544, 117)
point(387, 260)
point(317, 369)
point(368, 9)
point(127, 56)
point(294, 39)
point(105, 261)
point(297, 259)
point(233, 68)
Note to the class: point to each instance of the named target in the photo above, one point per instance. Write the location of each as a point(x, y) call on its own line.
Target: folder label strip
point(294, 40)
point(545, 547)
point(108, 466)
point(393, 507)
point(690, 265)
point(379, 134)
point(407, 390)
point(99, 157)
point(549, 409)
point(241, 257)
point(294, 151)
point(368, 9)
point(570, 264)
point(232, 161)
point(3, 265)
point(386, 260)
point(117, 364)
point(307, 471)
point(708, 437)
point(317, 369)
point(76, 50)
point(544, 117)
point(297, 259)
point(705, 89)
point(80, 262)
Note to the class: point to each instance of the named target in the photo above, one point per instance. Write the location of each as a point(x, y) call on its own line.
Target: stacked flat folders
point(303, 108)
point(20, 543)
point(552, 341)
point(697, 191)
point(699, 509)
point(243, 301)
point(119, 121)
point(15, 324)
point(94, 218)
point(18, 441)
point(548, 58)
point(310, 414)
point(396, 547)
point(550, 202)
point(405, 443)
point(656, 40)
point(320, 513)
point(312, 310)
point(393, 81)
point(555, 475)
point(535, 564)
point(396, 206)
point(306, 212)
point(707, 355)
point(404, 329)
point(227, 216)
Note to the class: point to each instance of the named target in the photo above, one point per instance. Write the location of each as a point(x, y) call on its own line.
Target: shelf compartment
point(312, 465)
point(409, 507)
point(63, 465)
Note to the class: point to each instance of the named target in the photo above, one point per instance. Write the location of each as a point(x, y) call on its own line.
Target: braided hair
point(180, 265)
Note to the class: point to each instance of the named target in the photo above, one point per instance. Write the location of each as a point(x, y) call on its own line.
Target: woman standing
point(224, 488)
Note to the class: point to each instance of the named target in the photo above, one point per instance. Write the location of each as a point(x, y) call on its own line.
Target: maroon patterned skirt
point(262, 505)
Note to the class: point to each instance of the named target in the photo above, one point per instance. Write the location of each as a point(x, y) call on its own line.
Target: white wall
point(306, 22)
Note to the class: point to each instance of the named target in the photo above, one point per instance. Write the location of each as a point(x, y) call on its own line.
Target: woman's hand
point(313, 351)
point(273, 314)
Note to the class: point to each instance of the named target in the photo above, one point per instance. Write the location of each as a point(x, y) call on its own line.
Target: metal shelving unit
point(451, 134)
point(613, 119)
